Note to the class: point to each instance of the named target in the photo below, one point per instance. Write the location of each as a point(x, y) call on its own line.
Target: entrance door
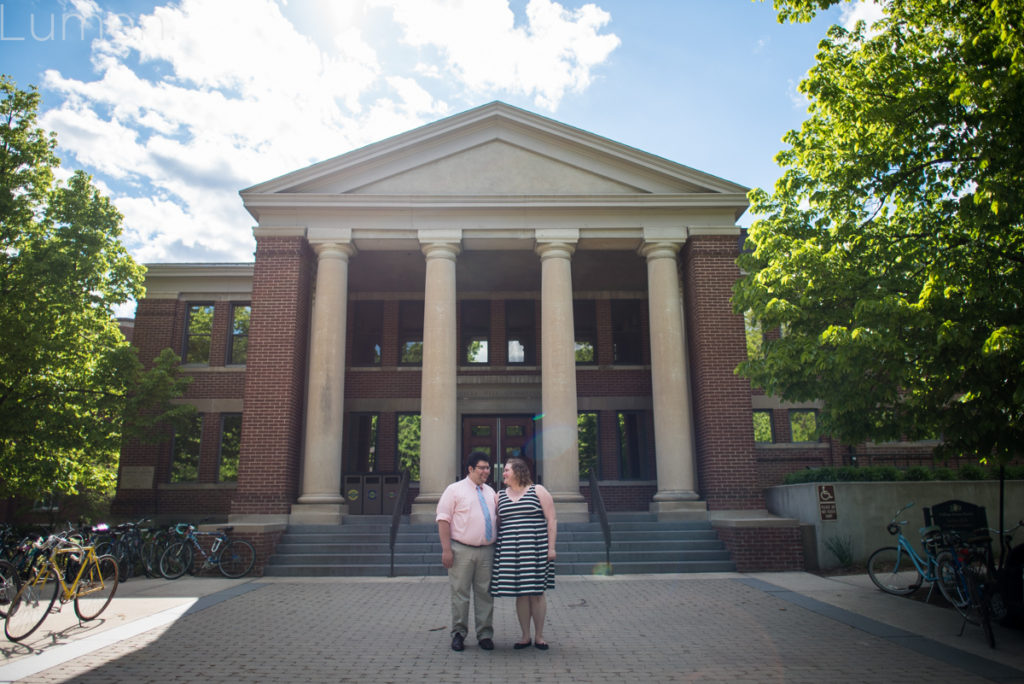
point(502, 437)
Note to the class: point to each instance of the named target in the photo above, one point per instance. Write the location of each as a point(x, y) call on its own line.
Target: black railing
point(396, 516)
point(602, 516)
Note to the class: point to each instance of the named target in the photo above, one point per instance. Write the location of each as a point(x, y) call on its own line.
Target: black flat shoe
point(458, 642)
point(486, 644)
point(519, 646)
point(542, 647)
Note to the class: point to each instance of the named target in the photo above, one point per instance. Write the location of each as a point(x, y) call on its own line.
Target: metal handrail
point(396, 516)
point(602, 515)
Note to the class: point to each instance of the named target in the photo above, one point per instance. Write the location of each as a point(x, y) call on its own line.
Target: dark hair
point(475, 457)
point(520, 470)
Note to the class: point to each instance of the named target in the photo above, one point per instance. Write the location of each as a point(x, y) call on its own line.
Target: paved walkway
point(728, 627)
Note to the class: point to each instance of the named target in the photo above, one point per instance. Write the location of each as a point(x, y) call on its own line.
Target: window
point(362, 441)
point(584, 316)
point(755, 336)
point(410, 333)
point(230, 447)
point(476, 330)
point(634, 462)
point(409, 444)
point(586, 424)
point(803, 425)
point(198, 330)
point(185, 451)
point(367, 324)
point(239, 333)
point(763, 433)
point(522, 335)
point(627, 330)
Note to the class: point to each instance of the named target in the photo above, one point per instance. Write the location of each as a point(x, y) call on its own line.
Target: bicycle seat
point(226, 529)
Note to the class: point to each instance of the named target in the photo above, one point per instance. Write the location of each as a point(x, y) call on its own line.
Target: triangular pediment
point(494, 151)
point(493, 168)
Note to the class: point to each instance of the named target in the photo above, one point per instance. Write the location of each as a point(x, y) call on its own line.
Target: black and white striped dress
point(521, 565)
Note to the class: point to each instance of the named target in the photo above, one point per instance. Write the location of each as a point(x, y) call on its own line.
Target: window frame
point(195, 431)
point(235, 336)
point(410, 334)
point(792, 414)
point(771, 426)
point(224, 417)
point(188, 333)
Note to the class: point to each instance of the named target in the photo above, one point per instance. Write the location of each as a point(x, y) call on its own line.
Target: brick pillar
point(722, 411)
point(274, 381)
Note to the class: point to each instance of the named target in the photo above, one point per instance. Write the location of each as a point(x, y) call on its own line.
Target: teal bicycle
point(900, 569)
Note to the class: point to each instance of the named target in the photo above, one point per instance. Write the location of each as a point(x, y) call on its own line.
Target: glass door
point(502, 438)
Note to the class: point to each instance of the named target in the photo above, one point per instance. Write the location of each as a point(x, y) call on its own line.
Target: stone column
point(560, 439)
point(673, 423)
point(438, 419)
point(321, 499)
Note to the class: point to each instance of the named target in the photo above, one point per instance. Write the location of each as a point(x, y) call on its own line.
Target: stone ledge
point(751, 518)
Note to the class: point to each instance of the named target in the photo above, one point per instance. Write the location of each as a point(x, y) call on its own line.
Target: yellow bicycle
point(71, 572)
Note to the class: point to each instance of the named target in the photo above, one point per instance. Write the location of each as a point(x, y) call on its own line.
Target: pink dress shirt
point(459, 506)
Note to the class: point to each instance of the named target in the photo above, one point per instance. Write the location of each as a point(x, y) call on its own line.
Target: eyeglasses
point(483, 467)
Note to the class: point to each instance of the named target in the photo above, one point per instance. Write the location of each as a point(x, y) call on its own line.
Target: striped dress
point(521, 565)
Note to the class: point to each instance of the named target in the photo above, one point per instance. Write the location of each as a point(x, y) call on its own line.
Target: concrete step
point(360, 547)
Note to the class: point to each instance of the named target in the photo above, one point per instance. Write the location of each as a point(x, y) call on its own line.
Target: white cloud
point(554, 53)
point(867, 11)
point(199, 99)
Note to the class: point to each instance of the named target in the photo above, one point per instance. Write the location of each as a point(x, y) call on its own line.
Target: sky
point(175, 106)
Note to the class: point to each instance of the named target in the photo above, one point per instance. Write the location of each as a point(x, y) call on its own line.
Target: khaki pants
point(471, 570)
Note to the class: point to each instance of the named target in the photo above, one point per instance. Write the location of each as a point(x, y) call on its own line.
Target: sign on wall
point(827, 502)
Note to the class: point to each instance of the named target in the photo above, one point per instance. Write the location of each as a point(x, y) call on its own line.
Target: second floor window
point(410, 333)
point(239, 346)
point(198, 331)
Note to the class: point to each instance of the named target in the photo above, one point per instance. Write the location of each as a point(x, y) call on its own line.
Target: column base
point(571, 508)
point(680, 510)
point(423, 512)
point(317, 513)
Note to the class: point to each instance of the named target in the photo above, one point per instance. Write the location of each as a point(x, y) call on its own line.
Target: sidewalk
point(728, 627)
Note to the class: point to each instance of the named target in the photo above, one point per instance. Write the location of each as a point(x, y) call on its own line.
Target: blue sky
point(174, 106)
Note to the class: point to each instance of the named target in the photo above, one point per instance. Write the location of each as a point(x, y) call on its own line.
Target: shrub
point(971, 471)
point(919, 474)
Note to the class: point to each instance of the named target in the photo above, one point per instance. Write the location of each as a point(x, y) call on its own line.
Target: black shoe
point(457, 642)
point(519, 646)
point(541, 645)
point(486, 644)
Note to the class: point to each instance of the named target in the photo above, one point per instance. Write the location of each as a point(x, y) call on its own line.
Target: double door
point(502, 438)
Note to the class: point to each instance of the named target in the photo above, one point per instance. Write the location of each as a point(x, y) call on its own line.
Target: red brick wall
point(272, 424)
point(763, 549)
point(721, 400)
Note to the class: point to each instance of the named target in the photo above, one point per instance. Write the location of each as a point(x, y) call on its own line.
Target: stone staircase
point(359, 548)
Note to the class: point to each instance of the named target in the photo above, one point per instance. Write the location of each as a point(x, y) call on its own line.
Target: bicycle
point(971, 581)
point(93, 586)
point(233, 557)
point(900, 570)
point(10, 583)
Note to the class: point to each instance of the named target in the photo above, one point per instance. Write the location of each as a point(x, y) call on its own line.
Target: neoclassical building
point(493, 280)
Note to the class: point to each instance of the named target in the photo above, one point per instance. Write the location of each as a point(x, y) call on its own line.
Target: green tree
point(71, 387)
point(890, 255)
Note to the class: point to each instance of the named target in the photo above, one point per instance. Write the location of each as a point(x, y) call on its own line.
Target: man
point(467, 525)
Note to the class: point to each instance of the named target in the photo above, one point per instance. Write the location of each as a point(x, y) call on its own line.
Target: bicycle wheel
point(892, 571)
point(97, 586)
point(151, 552)
point(176, 560)
point(31, 606)
point(953, 584)
point(237, 558)
point(9, 586)
point(979, 605)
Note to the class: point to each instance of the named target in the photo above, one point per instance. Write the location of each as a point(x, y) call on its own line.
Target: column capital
point(441, 250)
point(334, 250)
point(555, 250)
point(660, 249)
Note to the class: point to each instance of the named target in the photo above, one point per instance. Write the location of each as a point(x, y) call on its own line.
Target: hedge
point(970, 471)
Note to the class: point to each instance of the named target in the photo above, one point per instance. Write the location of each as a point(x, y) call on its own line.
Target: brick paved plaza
point(789, 627)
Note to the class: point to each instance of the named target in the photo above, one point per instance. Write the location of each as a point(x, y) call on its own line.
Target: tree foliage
point(70, 385)
point(890, 256)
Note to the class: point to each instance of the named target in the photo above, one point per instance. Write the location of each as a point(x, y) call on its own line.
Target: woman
point(525, 551)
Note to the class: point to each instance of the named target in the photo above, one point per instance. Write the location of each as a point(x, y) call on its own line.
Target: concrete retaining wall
point(863, 509)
